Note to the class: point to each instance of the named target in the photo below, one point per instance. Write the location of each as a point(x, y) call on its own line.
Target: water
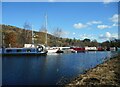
point(49, 70)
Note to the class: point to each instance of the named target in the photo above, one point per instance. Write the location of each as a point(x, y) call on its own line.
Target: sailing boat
point(49, 49)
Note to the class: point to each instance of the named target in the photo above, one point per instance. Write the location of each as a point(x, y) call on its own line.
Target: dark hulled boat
point(39, 50)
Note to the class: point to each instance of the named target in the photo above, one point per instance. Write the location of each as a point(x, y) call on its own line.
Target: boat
point(59, 51)
point(66, 50)
point(52, 49)
point(90, 48)
point(39, 50)
point(100, 49)
point(113, 48)
point(78, 49)
point(28, 49)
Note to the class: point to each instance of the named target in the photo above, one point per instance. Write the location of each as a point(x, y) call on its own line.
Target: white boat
point(39, 50)
point(52, 49)
point(57, 49)
point(90, 48)
point(112, 48)
point(60, 50)
point(65, 49)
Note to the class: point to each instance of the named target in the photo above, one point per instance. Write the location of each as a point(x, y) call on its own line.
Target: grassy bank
point(107, 74)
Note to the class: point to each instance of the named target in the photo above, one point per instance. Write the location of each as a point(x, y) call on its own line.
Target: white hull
point(52, 50)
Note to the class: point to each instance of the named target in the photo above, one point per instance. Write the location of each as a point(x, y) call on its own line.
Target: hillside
point(17, 37)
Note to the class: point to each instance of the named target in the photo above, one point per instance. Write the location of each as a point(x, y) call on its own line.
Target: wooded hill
point(17, 37)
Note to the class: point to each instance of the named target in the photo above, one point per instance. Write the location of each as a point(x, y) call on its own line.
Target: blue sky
point(94, 20)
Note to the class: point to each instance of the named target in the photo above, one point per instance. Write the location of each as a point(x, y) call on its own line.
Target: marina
point(31, 49)
point(60, 44)
point(42, 50)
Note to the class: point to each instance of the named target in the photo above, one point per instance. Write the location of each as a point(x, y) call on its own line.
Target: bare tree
point(27, 34)
point(43, 29)
point(58, 32)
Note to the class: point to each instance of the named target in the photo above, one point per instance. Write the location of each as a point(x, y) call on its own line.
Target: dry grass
point(106, 74)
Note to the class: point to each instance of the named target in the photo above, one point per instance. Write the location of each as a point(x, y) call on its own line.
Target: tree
point(10, 39)
point(57, 34)
point(43, 29)
point(86, 40)
point(27, 33)
point(105, 44)
point(94, 43)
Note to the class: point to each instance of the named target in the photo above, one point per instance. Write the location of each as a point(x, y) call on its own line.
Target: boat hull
point(23, 51)
point(78, 49)
point(16, 54)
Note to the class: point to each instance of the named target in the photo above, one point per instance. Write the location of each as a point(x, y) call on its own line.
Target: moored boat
point(59, 51)
point(39, 50)
point(90, 48)
point(79, 49)
point(100, 49)
point(52, 49)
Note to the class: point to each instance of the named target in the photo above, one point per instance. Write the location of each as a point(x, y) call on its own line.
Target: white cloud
point(107, 1)
point(51, 0)
point(108, 36)
point(115, 25)
point(73, 33)
point(86, 36)
point(103, 26)
point(94, 22)
point(114, 18)
point(79, 26)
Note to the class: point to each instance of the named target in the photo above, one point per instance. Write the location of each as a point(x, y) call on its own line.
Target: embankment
point(107, 74)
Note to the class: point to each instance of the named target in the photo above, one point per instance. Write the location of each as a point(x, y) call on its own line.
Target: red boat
point(79, 49)
point(100, 49)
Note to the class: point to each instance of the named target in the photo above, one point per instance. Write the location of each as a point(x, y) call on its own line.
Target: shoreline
point(107, 74)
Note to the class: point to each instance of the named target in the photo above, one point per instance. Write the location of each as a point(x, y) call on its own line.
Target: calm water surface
point(50, 69)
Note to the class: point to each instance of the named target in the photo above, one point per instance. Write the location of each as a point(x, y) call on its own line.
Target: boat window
point(8, 50)
point(19, 50)
point(28, 50)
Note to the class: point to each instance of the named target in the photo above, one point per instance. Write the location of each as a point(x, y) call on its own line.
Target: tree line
point(16, 37)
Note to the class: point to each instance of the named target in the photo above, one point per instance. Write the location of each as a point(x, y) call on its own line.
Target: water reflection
point(51, 69)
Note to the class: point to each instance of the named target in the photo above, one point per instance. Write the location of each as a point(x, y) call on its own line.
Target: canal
point(51, 69)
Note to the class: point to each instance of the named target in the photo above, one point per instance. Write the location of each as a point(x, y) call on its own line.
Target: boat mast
point(46, 29)
point(32, 35)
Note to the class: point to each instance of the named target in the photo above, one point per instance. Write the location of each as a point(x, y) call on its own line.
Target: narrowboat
point(39, 50)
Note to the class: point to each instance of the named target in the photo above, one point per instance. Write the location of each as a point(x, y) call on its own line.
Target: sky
point(80, 20)
point(105, 1)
